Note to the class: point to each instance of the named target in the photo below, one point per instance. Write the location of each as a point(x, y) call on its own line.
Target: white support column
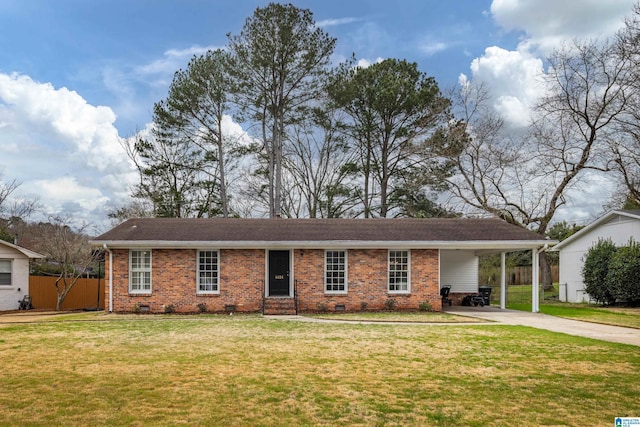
point(503, 281)
point(535, 281)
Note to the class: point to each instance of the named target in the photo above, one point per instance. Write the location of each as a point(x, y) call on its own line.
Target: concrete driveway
point(597, 331)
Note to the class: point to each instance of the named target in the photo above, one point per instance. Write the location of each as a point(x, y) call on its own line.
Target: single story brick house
point(298, 265)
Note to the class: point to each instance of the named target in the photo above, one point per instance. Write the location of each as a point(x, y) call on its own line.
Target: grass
point(520, 294)
point(406, 317)
point(519, 298)
point(246, 370)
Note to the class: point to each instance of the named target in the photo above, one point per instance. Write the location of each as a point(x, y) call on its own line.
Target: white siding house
point(14, 274)
point(619, 226)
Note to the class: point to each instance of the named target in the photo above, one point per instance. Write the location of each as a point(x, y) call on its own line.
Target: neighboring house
point(14, 274)
point(298, 265)
point(619, 226)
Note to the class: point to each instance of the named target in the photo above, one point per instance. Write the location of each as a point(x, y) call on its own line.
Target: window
point(399, 271)
point(335, 271)
point(5, 272)
point(208, 272)
point(140, 271)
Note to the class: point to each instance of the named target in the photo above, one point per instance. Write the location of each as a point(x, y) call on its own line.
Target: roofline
point(24, 251)
point(594, 224)
point(321, 244)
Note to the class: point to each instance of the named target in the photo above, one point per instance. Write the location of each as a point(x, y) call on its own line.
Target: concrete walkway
point(597, 331)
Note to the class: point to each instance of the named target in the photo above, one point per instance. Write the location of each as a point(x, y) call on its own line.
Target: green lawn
point(246, 370)
point(394, 316)
point(521, 294)
point(519, 298)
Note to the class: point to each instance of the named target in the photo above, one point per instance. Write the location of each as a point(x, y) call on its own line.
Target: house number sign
point(279, 276)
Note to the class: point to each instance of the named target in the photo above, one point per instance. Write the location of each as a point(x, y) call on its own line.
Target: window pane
point(335, 271)
point(207, 271)
point(5, 279)
point(398, 270)
point(5, 272)
point(140, 274)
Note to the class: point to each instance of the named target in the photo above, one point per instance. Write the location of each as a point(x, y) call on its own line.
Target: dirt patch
point(30, 316)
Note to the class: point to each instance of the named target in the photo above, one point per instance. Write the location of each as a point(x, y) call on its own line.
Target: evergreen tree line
point(322, 141)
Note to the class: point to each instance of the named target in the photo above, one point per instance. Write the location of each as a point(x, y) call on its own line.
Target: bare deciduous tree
point(626, 146)
point(67, 249)
point(13, 210)
point(318, 160)
point(525, 180)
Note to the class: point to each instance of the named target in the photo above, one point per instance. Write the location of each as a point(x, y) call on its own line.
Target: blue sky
point(77, 75)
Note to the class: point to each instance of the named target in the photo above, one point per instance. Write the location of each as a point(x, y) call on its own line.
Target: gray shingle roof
point(229, 230)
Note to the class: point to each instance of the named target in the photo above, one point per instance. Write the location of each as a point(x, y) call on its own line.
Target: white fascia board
point(322, 244)
point(24, 251)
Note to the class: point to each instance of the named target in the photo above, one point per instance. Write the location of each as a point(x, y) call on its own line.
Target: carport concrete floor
point(597, 331)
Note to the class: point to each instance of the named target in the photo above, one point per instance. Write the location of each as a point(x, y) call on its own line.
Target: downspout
point(104, 246)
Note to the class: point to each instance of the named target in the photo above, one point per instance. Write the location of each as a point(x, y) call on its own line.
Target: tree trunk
point(221, 165)
point(277, 194)
point(545, 272)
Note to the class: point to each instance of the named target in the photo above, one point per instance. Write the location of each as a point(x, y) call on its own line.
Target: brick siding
point(242, 281)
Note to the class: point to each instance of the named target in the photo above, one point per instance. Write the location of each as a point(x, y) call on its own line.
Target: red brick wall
point(173, 281)
point(367, 281)
point(242, 276)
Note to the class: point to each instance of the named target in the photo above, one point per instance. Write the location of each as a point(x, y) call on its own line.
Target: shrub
point(390, 304)
point(322, 307)
point(169, 308)
point(424, 306)
point(595, 270)
point(202, 307)
point(623, 277)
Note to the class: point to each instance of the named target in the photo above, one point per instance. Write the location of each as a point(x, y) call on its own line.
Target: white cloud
point(431, 47)
point(366, 63)
point(335, 22)
point(548, 22)
point(50, 132)
point(514, 78)
point(172, 60)
point(57, 192)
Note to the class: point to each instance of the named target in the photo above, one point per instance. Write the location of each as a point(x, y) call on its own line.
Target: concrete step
point(282, 306)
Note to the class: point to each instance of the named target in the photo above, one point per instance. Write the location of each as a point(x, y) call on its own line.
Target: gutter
point(321, 244)
point(104, 246)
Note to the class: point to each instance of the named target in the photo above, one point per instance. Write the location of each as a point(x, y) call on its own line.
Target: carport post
point(535, 303)
point(503, 280)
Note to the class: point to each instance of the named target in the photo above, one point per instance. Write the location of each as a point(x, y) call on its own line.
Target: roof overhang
point(24, 251)
point(483, 245)
point(603, 219)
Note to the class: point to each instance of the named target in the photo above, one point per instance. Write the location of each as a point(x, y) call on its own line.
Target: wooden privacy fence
point(84, 293)
point(515, 275)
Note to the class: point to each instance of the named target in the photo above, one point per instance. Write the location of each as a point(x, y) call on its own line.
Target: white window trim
point(11, 273)
point(198, 291)
point(401, 292)
point(346, 272)
point(150, 270)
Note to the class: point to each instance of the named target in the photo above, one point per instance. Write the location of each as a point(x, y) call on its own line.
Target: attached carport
point(459, 265)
